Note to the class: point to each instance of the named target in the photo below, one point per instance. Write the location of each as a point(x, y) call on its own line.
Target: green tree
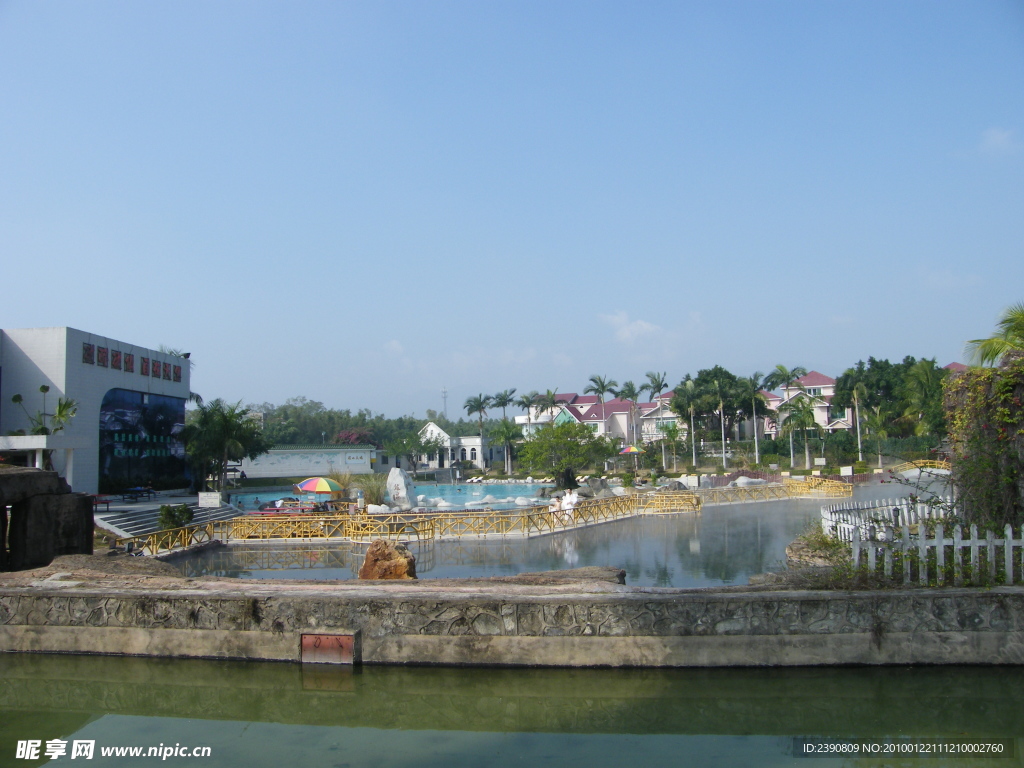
point(563, 449)
point(548, 402)
point(503, 400)
point(478, 404)
point(656, 383)
point(877, 423)
point(670, 434)
point(684, 402)
point(600, 386)
point(783, 377)
point(218, 433)
point(858, 394)
point(527, 403)
point(922, 398)
point(631, 394)
point(506, 433)
point(1009, 337)
point(750, 388)
point(799, 412)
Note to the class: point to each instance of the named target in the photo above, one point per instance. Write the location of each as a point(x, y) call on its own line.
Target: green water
point(252, 714)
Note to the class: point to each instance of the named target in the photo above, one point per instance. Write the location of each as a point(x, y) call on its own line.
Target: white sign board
point(820, 462)
point(209, 499)
point(355, 458)
point(846, 471)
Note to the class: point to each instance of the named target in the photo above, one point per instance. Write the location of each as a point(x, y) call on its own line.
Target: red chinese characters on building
point(144, 366)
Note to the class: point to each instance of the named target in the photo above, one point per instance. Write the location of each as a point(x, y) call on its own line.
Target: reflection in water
point(281, 714)
point(723, 545)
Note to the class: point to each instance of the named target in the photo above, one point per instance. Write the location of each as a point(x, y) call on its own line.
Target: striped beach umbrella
point(631, 449)
point(318, 485)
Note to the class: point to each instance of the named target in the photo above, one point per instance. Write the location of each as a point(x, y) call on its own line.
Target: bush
point(628, 480)
point(860, 468)
point(177, 516)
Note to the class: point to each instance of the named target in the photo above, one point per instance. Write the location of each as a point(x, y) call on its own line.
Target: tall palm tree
point(503, 400)
point(685, 402)
point(656, 383)
point(671, 433)
point(783, 377)
point(751, 387)
point(1009, 337)
point(506, 433)
point(219, 433)
point(800, 415)
point(922, 391)
point(877, 423)
point(631, 394)
point(527, 402)
point(600, 386)
point(549, 401)
point(859, 393)
point(721, 418)
point(478, 405)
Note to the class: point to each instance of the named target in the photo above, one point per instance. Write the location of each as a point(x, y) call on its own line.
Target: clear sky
point(365, 202)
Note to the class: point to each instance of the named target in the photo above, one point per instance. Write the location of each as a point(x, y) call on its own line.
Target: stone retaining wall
point(585, 624)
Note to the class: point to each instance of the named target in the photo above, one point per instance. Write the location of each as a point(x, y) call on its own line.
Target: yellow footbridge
point(530, 521)
point(924, 465)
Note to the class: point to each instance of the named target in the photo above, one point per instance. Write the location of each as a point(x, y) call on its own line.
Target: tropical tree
point(548, 402)
point(858, 394)
point(670, 433)
point(506, 433)
point(218, 433)
point(478, 405)
point(656, 383)
point(750, 388)
point(799, 413)
point(600, 386)
point(631, 394)
point(527, 402)
point(563, 449)
point(922, 397)
point(503, 400)
point(877, 423)
point(1009, 337)
point(783, 377)
point(684, 402)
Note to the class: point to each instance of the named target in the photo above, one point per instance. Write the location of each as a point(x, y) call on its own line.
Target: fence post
point(940, 555)
point(1008, 552)
point(889, 536)
point(855, 553)
point(974, 551)
point(991, 536)
point(922, 553)
point(872, 553)
point(958, 556)
point(906, 553)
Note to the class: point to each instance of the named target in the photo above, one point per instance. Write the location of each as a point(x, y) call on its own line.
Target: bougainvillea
point(986, 431)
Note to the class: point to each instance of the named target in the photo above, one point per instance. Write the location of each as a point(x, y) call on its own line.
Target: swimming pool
point(467, 495)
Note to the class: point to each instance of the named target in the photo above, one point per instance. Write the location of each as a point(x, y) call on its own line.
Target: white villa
point(818, 388)
point(472, 448)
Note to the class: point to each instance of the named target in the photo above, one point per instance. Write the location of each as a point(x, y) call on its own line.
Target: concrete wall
point(308, 462)
point(513, 625)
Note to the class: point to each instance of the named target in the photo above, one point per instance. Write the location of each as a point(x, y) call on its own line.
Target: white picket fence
point(843, 520)
point(1004, 556)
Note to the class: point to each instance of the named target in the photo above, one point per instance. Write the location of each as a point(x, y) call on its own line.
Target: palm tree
point(631, 394)
point(527, 402)
point(783, 377)
point(671, 433)
point(478, 405)
point(877, 423)
point(922, 390)
point(685, 401)
point(217, 434)
point(506, 433)
point(800, 415)
point(503, 400)
point(721, 419)
point(656, 383)
point(1009, 337)
point(751, 387)
point(859, 393)
point(600, 386)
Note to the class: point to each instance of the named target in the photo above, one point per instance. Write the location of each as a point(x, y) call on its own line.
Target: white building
point(472, 448)
point(819, 389)
point(311, 461)
point(131, 407)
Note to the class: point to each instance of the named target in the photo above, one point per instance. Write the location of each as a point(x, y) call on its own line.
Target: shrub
point(628, 480)
point(177, 516)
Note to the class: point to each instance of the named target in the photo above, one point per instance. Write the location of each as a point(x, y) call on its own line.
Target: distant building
point(131, 408)
point(473, 448)
point(819, 389)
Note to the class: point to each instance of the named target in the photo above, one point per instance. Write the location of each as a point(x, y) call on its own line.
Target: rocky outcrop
point(596, 484)
point(47, 519)
point(388, 560)
point(401, 490)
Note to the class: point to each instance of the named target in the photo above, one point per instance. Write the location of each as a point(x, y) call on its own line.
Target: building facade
point(130, 408)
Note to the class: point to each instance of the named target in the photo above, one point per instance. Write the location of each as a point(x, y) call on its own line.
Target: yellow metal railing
point(529, 521)
point(920, 464)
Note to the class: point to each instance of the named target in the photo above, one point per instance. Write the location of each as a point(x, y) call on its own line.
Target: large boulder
point(585, 492)
point(388, 560)
point(596, 484)
point(606, 493)
point(401, 490)
point(675, 485)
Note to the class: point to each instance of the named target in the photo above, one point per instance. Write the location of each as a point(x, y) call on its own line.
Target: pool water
point(469, 496)
point(252, 715)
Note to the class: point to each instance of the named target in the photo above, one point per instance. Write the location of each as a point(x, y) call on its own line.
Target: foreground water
point(254, 715)
point(723, 545)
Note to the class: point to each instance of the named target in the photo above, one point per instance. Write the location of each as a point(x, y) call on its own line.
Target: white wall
point(309, 463)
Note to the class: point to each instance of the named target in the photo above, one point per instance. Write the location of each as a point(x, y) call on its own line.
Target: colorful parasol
point(318, 485)
point(631, 449)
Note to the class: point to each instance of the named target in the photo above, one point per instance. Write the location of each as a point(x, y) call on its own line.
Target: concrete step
point(140, 522)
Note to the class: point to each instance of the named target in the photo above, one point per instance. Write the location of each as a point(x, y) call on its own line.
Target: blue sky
point(365, 202)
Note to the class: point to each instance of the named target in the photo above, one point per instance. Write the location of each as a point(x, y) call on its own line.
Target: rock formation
point(388, 560)
point(401, 490)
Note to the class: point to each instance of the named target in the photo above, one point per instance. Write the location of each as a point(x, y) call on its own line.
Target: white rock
point(522, 501)
point(400, 489)
point(619, 490)
point(378, 509)
point(443, 503)
point(488, 499)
